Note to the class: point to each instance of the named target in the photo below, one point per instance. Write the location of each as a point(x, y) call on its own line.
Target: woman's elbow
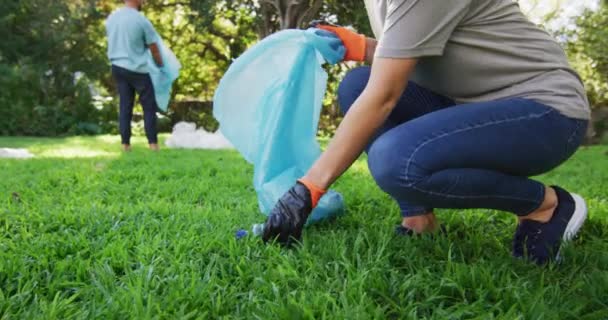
point(386, 100)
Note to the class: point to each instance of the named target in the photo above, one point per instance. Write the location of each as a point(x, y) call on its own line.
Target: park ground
point(89, 232)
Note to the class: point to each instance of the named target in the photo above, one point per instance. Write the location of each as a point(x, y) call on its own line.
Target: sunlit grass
point(74, 147)
point(106, 235)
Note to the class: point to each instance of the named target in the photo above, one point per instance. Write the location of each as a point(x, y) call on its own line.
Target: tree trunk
point(286, 14)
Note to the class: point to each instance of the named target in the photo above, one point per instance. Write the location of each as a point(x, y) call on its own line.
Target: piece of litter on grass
point(186, 135)
point(257, 229)
point(241, 234)
point(15, 153)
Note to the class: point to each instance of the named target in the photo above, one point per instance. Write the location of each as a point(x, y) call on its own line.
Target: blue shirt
point(129, 35)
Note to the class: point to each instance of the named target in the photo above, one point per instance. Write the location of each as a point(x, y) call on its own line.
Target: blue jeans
point(128, 83)
point(432, 153)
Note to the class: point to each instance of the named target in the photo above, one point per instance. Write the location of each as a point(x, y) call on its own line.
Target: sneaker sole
point(578, 218)
point(576, 222)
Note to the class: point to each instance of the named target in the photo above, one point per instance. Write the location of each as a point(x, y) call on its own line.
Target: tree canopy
point(56, 78)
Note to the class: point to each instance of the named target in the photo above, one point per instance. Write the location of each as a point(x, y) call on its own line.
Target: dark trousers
point(129, 83)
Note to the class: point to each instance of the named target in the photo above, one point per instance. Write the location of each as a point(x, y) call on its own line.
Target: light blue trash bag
point(268, 105)
point(162, 78)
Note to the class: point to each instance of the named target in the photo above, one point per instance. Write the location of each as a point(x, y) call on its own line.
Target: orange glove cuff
point(354, 43)
point(315, 192)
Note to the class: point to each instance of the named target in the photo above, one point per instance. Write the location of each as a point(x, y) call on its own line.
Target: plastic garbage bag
point(162, 78)
point(185, 135)
point(268, 105)
point(15, 153)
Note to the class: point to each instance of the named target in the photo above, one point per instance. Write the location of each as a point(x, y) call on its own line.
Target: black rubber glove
point(287, 218)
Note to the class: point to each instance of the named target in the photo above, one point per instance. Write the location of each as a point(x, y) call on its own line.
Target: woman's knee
point(393, 166)
point(352, 86)
point(384, 162)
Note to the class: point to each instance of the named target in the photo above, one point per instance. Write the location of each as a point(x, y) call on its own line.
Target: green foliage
point(48, 42)
point(348, 13)
point(45, 44)
point(90, 233)
point(589, 53)
point(206, 36)
point(197, 112)
point(32, 104)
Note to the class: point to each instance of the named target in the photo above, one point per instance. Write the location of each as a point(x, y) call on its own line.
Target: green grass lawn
point(88, 232)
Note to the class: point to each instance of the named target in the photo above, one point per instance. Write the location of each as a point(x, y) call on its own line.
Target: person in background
point(130, 35)
point(463, 102)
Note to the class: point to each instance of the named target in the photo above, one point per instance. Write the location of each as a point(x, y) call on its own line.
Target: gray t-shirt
point(478, 50)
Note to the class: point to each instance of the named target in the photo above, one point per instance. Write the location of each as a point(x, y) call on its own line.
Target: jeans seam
point(413, 184)
point(466, 197)
point(574, 132)
point(536, 205)
point(469, 128)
